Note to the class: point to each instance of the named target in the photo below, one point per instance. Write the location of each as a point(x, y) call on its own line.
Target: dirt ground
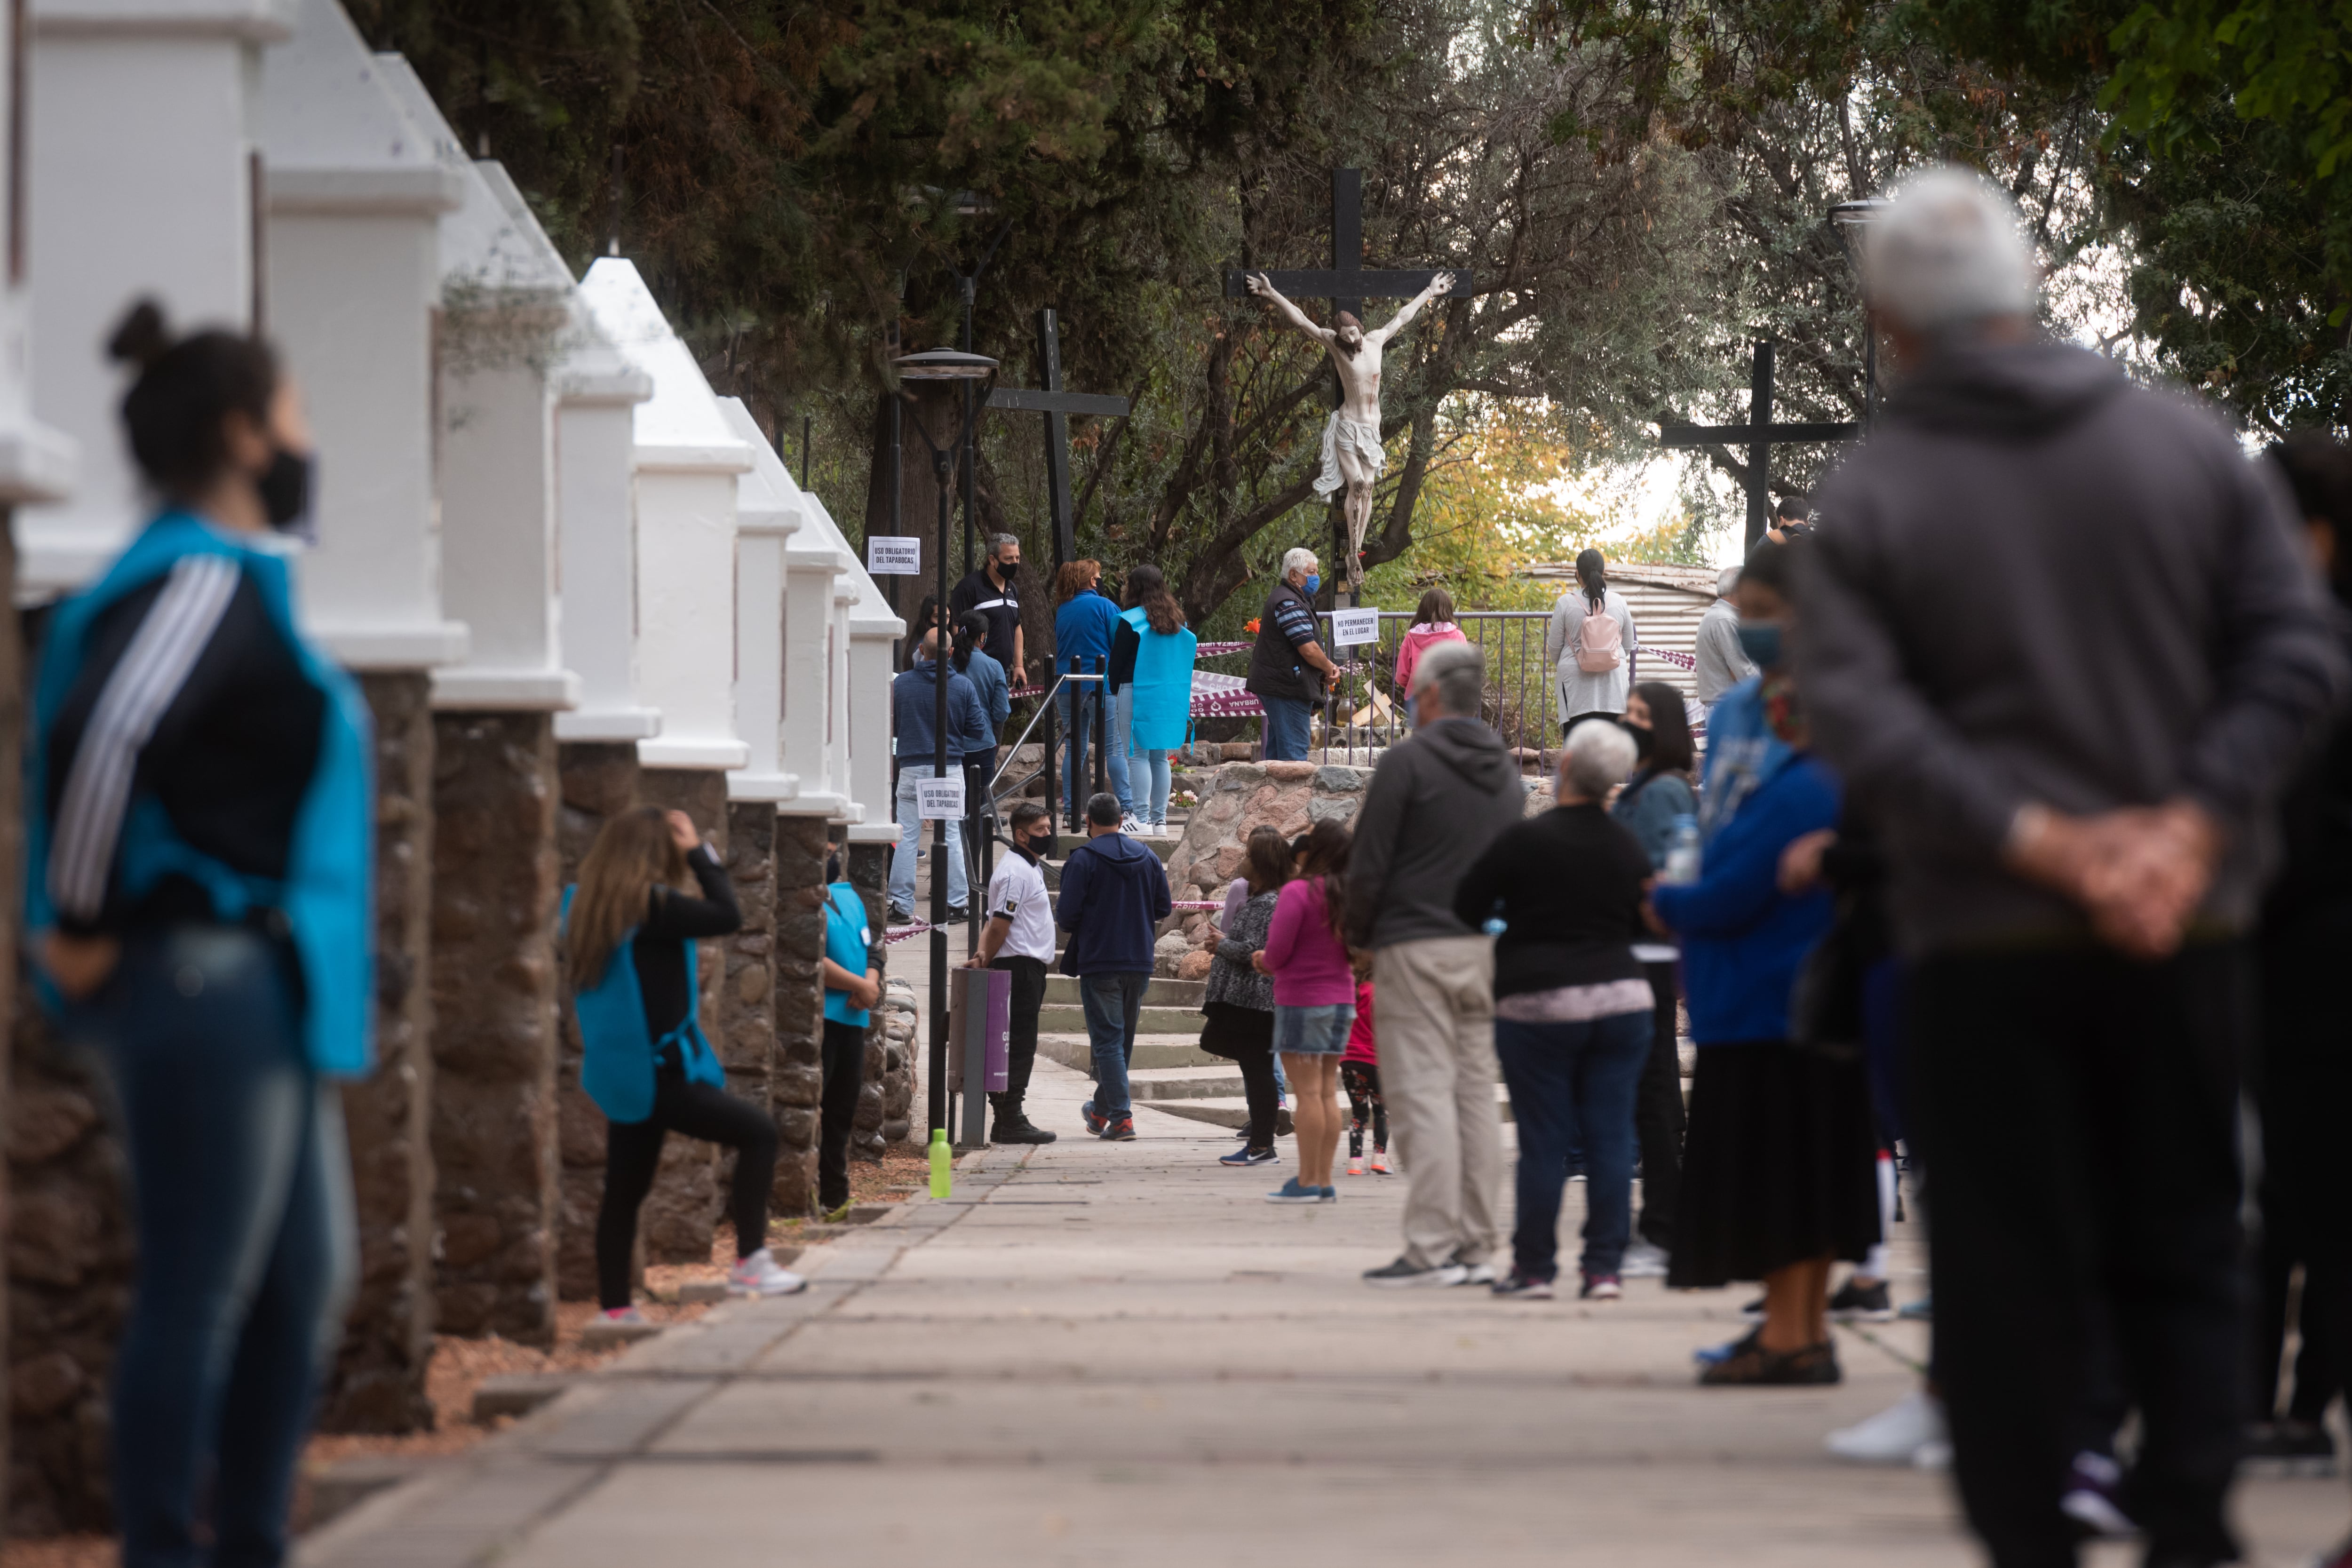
point(459, 1366)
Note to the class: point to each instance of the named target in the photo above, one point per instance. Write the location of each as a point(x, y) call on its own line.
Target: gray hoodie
point(1437, 799)
point(2037, 582)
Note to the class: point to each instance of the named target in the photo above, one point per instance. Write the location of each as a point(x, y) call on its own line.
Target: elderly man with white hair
point(1437, 799)
point(1288, 667)
point(1722, 662)
point(2057, 639)
point(1573, 1008)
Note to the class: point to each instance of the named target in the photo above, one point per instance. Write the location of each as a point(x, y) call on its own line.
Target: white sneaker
point(1134, 828)
point(1643, 1261)
point(1477, 1273)
point(1895, 1435)
point(1355, 1165)
point(758, 1275)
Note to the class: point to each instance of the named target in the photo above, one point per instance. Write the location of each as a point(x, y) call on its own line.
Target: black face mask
point(1036, 846)
point(1008, 570)
point(1644, 740)
point(285, 488)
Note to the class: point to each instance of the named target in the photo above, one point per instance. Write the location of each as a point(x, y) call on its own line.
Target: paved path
point(1117, 1354)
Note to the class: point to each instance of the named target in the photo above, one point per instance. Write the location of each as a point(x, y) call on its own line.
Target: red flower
point(1250, 626)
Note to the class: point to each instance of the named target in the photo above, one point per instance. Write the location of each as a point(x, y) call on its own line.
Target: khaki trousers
point(1434, 1011)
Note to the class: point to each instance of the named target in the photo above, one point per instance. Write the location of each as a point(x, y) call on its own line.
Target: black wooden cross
point(1056, 405)
point(1759, 436)
point(1347, 285)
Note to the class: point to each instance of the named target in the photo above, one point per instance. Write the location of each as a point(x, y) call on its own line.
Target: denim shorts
point(1313, 1031)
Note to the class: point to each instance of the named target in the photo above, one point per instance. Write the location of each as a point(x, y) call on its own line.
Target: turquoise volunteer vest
point(1162, 703)
point(328, 893)
point(617, 1052)
point(848, 941)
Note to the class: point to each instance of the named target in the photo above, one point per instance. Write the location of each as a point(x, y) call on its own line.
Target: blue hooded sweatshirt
point(1114, 891)
point(1743, 938)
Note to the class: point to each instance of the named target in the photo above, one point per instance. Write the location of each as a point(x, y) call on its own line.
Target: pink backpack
point(1600, 642)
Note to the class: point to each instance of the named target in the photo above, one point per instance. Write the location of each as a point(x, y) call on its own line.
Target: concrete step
point(1063, 990)
point(1070, 1018)
point(1159, 845)
point(1151, 1051)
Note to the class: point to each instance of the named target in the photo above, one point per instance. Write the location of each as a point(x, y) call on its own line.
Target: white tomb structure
point(869, 629)
point(355, 199)
point(598, 391)
point(685, 460)
point(139, 180)
point(506, 299)
point(765, 522)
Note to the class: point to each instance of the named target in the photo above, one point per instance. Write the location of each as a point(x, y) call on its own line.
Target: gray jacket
point(1722, 662)
point(2037, 582)
point(1230, 978)
point(1437, 799)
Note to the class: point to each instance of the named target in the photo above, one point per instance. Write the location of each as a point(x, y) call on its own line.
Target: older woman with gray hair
point(1571, 1006)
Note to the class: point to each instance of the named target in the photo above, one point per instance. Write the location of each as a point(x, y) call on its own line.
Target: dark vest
point(1274, 667)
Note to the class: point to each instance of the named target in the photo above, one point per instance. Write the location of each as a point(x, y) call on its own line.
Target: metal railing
point(1365, 711)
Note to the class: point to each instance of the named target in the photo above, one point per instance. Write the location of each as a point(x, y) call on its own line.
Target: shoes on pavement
point(1856, 1302)
point(832, 1213)
point(1019, 1129)
point(1643, 1261)
point(959, 912)
point(1328, 1195)
point(1892, 1437)
point(628, 1315)
point(1245, 1155)
point(1135, 827)
point(1601, 1288)
point(1922, 1310)
point(1355, 1165)
point(1519, 1287)
point(1477, 1273)
point(1282, 1125)
point(1380, 1161)
point(900, 916)
point(1095, 1124)
point(1120, 1130)
point(1750, 1365)
point(2291, 1447)
point(1292, 1192)
point(760, 1275)
point(2094, 1497)
point(1402, 1273)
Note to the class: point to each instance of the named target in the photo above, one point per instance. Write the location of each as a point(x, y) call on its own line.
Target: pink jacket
point(1419, 640)
point(1309, 964)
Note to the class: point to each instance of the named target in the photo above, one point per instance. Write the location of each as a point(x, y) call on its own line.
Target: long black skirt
point(1779, 1165)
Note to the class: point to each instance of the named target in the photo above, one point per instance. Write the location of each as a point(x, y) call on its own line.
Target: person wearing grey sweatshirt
point(2057, 639)
point(1436, 800)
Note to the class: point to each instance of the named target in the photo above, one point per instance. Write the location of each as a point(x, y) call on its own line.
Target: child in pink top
point(1359, 1075)
point(1314, 1004)
point(1432, 624)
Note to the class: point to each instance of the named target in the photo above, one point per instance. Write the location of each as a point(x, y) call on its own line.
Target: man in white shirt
point(1019, 939)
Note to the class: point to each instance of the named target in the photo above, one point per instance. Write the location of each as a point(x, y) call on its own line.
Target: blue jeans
point(1565, 1079)
point(241, 1184)
point(1114, 1005)
point(911, 839)
point(1076, 782)
point(1122, 737)
point(1157, 780)
point(1288, 729)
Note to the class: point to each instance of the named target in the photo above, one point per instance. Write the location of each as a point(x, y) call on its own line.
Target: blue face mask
point(1761, 644)
point(1314, 581)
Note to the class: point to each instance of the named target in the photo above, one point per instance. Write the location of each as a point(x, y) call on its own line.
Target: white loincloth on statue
point(1362, 438)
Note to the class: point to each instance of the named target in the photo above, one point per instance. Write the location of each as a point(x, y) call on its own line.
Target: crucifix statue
point(1352, 457)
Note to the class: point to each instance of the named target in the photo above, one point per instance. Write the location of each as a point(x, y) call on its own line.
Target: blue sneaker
point(1291, 1191)
point(1328, 1195)
point(1248, 1157)
point(1095, 1124)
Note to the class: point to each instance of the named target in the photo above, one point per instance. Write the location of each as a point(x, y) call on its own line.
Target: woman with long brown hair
point(629, 930)
point(1314, 1003)
point(1151, 679)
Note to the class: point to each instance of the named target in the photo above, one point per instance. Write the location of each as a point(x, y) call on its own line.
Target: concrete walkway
point(1107, 1353)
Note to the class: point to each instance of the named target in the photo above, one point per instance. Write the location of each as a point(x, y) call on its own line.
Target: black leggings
point(845, 1075)
point(1260, 1095)
point(1362, 1082)
point(1658, 1115)
point(633, 1153)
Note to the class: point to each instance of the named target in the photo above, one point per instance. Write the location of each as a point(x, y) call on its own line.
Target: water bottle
point(1681, 855)
point(942, 1164)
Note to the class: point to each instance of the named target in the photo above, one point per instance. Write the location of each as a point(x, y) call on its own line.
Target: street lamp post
point(942, 365)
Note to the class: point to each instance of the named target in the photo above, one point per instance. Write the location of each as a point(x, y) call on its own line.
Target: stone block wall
point(743, 1026)
point(494, 891)
point(802, 845)
point(379, 1379)
point(598, 780)
point(1290, 796)
point(885, 1104)
point(681, 1215)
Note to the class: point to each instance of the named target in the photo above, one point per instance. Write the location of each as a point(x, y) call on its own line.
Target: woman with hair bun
point(199, 854)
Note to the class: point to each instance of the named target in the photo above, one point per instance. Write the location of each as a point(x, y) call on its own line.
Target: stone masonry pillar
point(681, 1215)
point(743, 1026)
point(802, 845)
point(379, 1379)
point(599, 780)
point(885, 1105)
point(494, 1038)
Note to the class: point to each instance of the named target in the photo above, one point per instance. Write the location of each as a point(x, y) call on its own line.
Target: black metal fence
point(1366, 712)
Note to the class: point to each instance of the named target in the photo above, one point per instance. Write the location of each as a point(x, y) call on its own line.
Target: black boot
point(1013, 1126)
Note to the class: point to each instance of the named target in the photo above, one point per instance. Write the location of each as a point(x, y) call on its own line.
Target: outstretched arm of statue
point(1262, 287)
point(1441, 284)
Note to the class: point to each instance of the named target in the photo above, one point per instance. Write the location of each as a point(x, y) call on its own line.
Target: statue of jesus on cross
point(1352, 454)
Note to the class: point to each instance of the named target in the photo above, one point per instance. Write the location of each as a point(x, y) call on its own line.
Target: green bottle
point(942, 1163)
